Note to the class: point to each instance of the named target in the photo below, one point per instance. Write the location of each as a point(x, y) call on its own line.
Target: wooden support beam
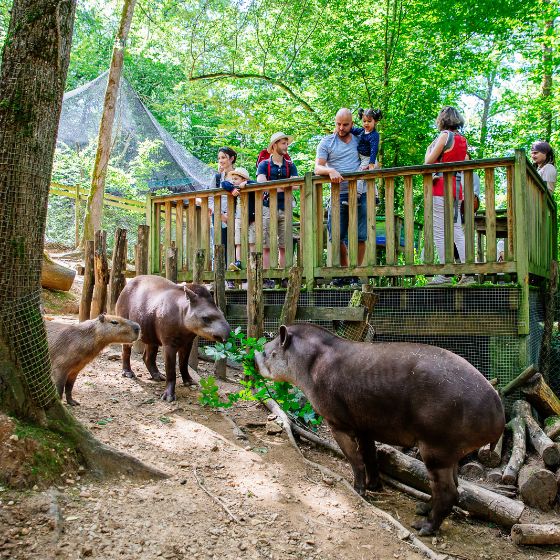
point(220, 296)
point(118, 266)
point(239, 311)
point(289, 309)
point(171, 263)
point(101, 268)
point(142, 251)
point(198, 269)
point(89, 282)
point(255, 303)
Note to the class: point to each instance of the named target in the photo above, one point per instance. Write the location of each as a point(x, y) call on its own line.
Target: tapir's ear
point(189, 293)
point(101, 318)
point(285, 337)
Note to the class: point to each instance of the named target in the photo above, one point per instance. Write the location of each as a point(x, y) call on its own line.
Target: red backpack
point(265, 154)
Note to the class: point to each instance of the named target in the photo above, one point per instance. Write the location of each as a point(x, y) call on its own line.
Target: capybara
point(170, 315)
point(397, 393)
point(74, 345)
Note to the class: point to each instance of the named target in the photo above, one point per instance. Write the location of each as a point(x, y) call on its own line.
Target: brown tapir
point(397, 393)
point(169, 315)
point(73, 345)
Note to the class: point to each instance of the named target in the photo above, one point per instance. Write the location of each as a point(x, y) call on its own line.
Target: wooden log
point(118, 266)
point(171, 263)
point(552, 427)
point(255, 303)
point(517, 426)
point(89, 281)
point(54, 276)
point(537, 486)
point(521, 379)
point(541, 396)
point(491, 457)
point(478, 501)
point(472, 471)
point(220, 297)
point(198, 269)
point(142, 249)
point(101, 272)
point(533, 533)
point(494, 475)
point(289, 310)
point(542, 444)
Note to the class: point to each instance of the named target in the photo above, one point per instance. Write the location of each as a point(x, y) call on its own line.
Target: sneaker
point(268, 284)
point(235, 266)
point(466, 280)
point(339, 282)
point(284, 283)
point(230, 285)
point(440, 280)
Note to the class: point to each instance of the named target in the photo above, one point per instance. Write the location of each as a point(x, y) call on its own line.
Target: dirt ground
point(280, 507)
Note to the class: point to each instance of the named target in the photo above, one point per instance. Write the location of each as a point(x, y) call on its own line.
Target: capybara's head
point(273, 362)
point(202, 316)
point(112, 329)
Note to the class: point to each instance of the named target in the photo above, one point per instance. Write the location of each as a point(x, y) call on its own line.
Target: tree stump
point(89, 282)
point(532, 533)
point(537, 486)
point(289, 309)
point(142, 250)
point(552, 427)
point(541, 396)
point(491, 457)
point(54, 276)
point(117, 279)
point(472, 471)
point(101, 271)
point(171, 264)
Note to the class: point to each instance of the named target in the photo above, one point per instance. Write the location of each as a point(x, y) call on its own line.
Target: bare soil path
point(279, 508)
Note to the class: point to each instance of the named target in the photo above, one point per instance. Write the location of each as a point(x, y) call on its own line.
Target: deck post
point(255, 296)
point(521, 253)
point(310, 231)
point(149, 222)
point(220, 295)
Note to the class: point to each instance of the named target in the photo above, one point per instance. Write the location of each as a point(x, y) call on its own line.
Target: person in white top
point(543, 158)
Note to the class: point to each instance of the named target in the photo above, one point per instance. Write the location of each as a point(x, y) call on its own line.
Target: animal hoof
point(168, 398)
point(187, 382)
point(72, 402)
point(423, 508)
point(157, 376)
point(375, 486)
point(128, 373)
point(360, 490)
point(423, 527)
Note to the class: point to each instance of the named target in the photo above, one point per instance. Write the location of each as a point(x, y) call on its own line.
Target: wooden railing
point(530, 227)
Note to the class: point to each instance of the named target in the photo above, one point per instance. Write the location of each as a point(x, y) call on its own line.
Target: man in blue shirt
point(338, 154)
point(276, 167)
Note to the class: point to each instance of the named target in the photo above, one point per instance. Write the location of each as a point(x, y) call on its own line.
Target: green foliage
point(241, 349)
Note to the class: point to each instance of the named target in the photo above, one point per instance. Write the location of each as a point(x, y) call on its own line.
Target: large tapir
point(169, 315)
point(397, 393)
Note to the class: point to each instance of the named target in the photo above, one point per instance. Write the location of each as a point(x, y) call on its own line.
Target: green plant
point(241, 349)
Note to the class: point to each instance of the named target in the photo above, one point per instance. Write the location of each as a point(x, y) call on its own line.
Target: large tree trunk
point(32, 76)
point(94, 210)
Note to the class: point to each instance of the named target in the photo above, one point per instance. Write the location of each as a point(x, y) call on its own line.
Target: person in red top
point(450, 145)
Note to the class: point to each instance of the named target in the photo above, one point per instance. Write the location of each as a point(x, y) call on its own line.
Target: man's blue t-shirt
point(341, 156)
point(284, 171)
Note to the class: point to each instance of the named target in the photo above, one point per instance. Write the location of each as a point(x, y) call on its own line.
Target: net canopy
point(135, 132)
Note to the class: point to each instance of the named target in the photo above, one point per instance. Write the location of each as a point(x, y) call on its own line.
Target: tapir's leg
point(149, 357)
point(170, 356)
point(369, 452)
point(349, 445)
point(184, 354)
point(444, 497)
point(125, 357)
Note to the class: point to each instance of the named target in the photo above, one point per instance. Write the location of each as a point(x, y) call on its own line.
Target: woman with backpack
point(449, 146)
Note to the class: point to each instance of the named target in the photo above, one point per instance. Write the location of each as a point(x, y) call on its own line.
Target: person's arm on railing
point(321, 168)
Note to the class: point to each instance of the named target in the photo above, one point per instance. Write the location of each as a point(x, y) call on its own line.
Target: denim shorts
point(344, 217)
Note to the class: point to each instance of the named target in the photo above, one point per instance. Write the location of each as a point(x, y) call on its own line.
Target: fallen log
point(478, 501)
point(54, 276)
point(552, 427)
point(517, 426)
point(491, 457)
point(521, 379)
point(537, 486)
point(494, 475)
point(541, 396)
point(543, 445)
point(532, 533)
point(472, 471)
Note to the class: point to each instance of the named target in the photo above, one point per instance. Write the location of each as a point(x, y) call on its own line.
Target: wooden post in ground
point(357, 330)
point(101, 268)
point(171, 263)
point(198, 269)
point(77, 216)
point(289, 310)
point(549, 296)
point(220, 297)
point(117, 280)
point(89, 282)
point(142, 250)
point(255, 302)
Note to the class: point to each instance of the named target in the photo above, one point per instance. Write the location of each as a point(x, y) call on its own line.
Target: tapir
point(396, 393)
point(169, 315)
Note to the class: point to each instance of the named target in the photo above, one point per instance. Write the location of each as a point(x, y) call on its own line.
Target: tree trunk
point(101, 272)
point(94, 209)
point(117, 280)
point(549, 14)
point(55, 276)
point(89, 283)
point(32, 76)
point(537, 486)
